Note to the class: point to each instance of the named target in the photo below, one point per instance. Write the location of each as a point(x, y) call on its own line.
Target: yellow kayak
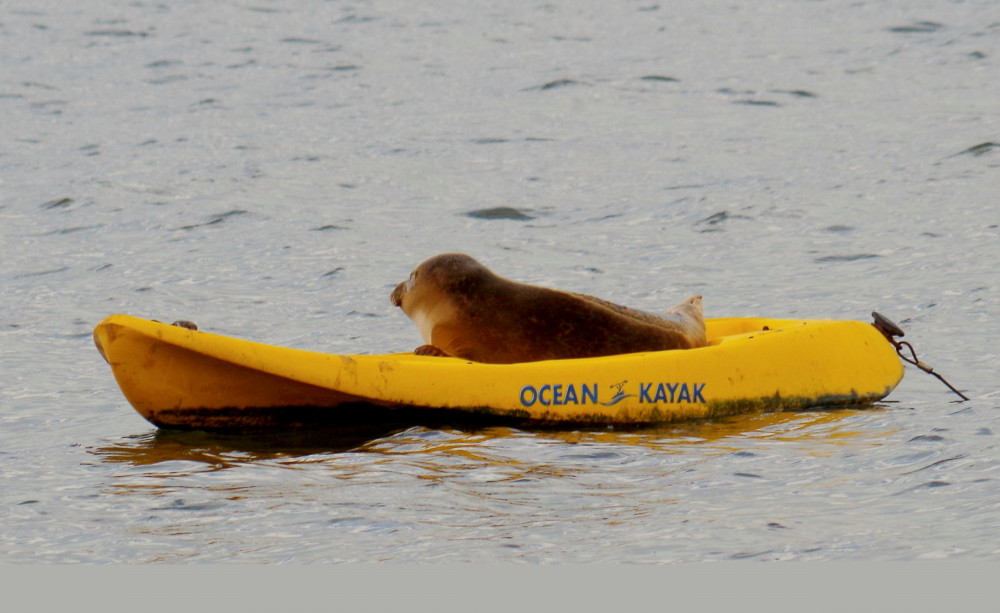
point(181, 378)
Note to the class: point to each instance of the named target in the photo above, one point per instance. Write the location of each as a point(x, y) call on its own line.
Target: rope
point(890, 330)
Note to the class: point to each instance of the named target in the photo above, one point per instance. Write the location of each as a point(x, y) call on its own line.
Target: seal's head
point(434, 287)
point(441, 273)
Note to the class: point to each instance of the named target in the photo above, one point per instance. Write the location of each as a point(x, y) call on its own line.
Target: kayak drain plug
point(890, 330)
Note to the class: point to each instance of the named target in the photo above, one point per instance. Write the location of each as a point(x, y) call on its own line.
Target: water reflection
point(724, 435)
point(226, 450)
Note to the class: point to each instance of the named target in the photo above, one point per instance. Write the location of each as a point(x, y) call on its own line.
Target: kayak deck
point(180, 378)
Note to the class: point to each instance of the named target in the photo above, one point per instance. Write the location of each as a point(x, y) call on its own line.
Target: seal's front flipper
point(430, 350)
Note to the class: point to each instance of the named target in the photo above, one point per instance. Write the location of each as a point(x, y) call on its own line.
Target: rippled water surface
point(271, 170)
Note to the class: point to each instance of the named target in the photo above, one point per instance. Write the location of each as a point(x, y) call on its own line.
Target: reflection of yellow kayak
point(820, 431)
point(179, 378)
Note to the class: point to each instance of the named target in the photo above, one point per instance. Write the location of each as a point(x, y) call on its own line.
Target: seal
point(464, 310)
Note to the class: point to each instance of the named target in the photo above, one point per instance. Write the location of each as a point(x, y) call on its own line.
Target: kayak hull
point(180, 378)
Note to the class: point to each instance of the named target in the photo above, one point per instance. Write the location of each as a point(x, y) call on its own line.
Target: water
point(271, 170)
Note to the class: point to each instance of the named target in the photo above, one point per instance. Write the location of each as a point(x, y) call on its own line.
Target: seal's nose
point(397, 295)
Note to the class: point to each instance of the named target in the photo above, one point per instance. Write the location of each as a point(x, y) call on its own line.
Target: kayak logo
point(619, 394)
point(665, 392)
